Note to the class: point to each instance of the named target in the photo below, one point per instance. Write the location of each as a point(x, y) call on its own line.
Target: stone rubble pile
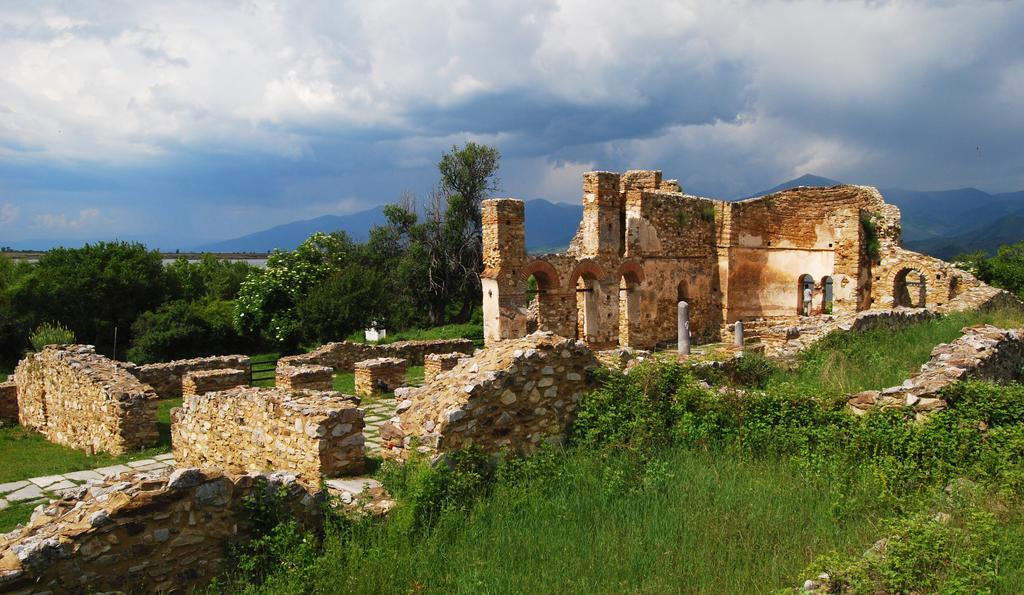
point(379, 375)
point(622, 358)
point(314, 434)
point(208, 381)
point(83, 400)
point(983, 352)
point(510, 396)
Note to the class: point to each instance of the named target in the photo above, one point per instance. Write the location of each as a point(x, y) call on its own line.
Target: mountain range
point(943, 223)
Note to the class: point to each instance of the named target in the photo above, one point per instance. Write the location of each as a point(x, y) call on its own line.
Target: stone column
point(684, 328)
point(737, 334)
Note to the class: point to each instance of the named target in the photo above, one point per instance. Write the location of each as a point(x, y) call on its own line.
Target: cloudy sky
point(182, 121)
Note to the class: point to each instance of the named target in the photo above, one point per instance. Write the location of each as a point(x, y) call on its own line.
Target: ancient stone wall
point(314, 434)
point(299, 377)
point(8, 401)
point(983, 352)
point(83, 400)
point(436, 363)
point(510, 396)
point(141, 533)
point(167, 378)
point(208, 381)
point(379, 375)
point(342, 356)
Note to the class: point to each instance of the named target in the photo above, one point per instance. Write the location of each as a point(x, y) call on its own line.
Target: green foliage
point(752, 369)
point(51, 333)
point(182, 329)
point(470, 330)
point(707, 213)
point(92, 290)
point(1005, 269)
point(682, 217)
point(872, 245)
point(211, 278)
point(345, 301)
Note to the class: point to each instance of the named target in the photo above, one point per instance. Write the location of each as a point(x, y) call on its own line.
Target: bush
point(181, 329)
point(345, 301)
point(51, 333)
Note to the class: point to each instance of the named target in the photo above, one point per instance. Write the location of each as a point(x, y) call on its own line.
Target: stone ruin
point(168, 378)
point(342, 356)
point(983, 352)
point(8, 401)
point(312, 433)
point(511, 396)
point(82, 400)
point(151, 532)
point(435, 363)
point(303, 377)
point(643, 246)
point(379, 375)
point(210, 381)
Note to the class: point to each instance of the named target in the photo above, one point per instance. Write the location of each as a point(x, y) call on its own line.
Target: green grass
point(448, 331)
point(845, 363)
point(28, 454)
point(14, 515)
point(345, 382)
point(707, 523)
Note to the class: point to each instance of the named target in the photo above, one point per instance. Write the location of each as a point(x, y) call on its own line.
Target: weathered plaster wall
point(83, 400)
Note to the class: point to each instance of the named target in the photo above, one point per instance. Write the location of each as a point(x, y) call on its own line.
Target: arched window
point(629, 308)
point(805, 297)
point(910, 288)
point(587, 318)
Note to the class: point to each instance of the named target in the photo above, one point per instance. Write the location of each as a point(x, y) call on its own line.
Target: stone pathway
point(375, 414)
point(39, 490)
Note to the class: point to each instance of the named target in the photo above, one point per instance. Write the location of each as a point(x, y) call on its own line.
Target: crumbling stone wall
point(436, 363)
point(208, 381)
point(315, 434)
point(141, 533)
point(83, 400)
point(8, 401)
point(643, 246)
point(510, 396)
point(983, 352)
point(342, 356)
point(303, 377)
point(379, 375)
point(167, 379)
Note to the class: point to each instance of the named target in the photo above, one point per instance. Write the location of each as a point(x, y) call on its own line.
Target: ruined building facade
point(643, 246)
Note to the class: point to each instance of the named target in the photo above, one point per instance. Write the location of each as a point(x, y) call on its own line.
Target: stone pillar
point(684, 328)
point(737, 334)
point(504, 255)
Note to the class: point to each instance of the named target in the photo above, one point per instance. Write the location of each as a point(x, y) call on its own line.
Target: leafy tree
point(267, 299)
point(1005, 269)
point(92, 290)
point(181, 329)
point(340, 304)
point(210, 278)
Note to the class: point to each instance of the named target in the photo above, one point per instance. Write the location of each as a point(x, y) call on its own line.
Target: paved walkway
point(39, 490)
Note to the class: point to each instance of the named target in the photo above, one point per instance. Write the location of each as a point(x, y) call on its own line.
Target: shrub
point(752, 369)
point(181, 329)
point(51, 333)
point(872, 246)
point(346, 301)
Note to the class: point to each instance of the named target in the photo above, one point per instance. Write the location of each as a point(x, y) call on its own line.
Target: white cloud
point(60, 221)
point(8, 214)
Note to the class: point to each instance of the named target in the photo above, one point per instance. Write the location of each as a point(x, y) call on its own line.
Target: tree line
point(421, 268)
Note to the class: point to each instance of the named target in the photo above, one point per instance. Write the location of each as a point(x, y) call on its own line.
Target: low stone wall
point(380, 375)
point(9, 401)
point(435, 363)
point(342, 356)
point(208, 381)
point(141, 533)
point(167, 379)
point(621, 358)
point(314, 434)
point(983, 352)
point(80, 399)
point(510, 396)
point(303, 377)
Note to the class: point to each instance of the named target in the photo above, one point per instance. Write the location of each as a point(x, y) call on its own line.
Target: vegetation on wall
point(872, 245)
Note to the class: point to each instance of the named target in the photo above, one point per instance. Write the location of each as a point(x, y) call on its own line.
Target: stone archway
point(585, 281)
point(805, 295)
point(827, 295)
point(541, 284)
point(910, 289)
point(630, 277)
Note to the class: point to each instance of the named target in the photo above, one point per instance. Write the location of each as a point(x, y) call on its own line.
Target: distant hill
point(549, 227)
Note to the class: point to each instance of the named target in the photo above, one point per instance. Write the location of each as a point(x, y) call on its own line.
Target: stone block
point(379, 375)
point(207, 381)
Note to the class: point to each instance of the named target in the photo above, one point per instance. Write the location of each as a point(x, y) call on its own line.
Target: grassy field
point(707, 523)
point(845, 363)
point(448, 331)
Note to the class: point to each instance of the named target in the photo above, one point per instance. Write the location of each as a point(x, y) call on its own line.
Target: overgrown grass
point(25, 453)
point(595, 522)
point(14, 515)
point(449, 331)
point(845, 363)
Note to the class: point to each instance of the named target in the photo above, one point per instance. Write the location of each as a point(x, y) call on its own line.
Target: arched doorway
point(587, 317)
point(910, 288)
point(629, 308)
point(541, 285)
point(826, 295)
point(805, 295)
point(955, 286)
